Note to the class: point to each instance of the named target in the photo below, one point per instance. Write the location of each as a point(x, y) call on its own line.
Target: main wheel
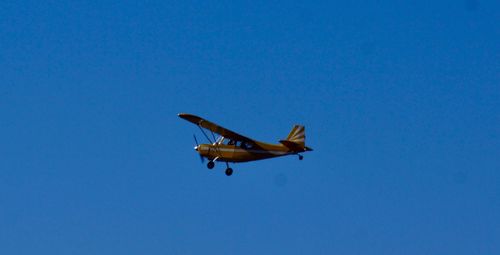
point(229, 171)
point(210, 164)
point(301, 157)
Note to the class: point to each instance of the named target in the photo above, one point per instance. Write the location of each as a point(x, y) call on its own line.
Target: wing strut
point(205, 134)
point(215, 140)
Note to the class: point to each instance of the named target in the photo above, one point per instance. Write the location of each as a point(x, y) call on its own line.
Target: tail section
point(297, 135)
point(296, 140)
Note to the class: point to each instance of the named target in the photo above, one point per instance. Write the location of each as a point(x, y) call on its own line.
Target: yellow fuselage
point(233, 153)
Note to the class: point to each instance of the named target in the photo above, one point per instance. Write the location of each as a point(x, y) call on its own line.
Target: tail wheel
point(229, 171)
point(301, 157)
point(210, 164)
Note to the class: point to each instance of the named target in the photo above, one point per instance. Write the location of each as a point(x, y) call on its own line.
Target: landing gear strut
point(229, 171)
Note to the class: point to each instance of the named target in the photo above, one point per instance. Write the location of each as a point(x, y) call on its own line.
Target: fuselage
point(234, 153)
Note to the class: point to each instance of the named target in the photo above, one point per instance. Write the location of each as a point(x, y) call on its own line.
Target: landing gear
point(301, 157)
point(210, 164)
point(229, 171)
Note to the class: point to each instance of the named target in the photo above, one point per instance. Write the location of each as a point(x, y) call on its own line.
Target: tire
point(229, 171)
point(210, 164)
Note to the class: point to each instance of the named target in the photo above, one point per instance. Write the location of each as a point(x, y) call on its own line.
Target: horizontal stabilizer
point(293, 146)
point(296, 139)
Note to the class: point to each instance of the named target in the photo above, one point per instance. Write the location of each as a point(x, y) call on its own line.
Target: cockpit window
point(246, 145)
point(241, 144)
point(221, 140)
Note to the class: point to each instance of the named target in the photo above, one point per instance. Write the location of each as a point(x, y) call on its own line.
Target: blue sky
point(400, 101)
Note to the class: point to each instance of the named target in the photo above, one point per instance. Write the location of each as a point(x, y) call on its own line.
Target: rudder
point(297, 135)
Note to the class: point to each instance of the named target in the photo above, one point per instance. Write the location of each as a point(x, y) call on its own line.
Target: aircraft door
point(228, 148)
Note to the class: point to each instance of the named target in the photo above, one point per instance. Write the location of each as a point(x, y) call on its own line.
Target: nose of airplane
point(196, 148)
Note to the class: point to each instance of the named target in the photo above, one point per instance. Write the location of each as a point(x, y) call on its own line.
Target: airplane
point(231, 147)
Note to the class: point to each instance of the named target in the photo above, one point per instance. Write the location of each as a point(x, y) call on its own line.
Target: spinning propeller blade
point(195, 140)
point(202, 159)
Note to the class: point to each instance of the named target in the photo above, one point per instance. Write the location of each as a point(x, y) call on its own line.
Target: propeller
point(195, 140)
point(202, 159)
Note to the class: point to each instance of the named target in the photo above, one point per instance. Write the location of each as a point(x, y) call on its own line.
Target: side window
point(246, 145)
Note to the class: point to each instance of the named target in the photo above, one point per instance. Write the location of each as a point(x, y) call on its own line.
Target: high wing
point(214, 127)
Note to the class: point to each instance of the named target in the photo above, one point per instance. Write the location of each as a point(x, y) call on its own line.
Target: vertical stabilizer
point(297, 135)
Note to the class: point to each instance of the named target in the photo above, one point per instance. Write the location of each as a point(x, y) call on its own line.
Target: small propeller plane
point(233, 147)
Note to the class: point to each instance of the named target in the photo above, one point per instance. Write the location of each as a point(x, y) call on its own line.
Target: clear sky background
point(400, 100)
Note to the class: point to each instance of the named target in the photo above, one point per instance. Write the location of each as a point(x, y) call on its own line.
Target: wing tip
point(186, 115)
point(191, 118)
